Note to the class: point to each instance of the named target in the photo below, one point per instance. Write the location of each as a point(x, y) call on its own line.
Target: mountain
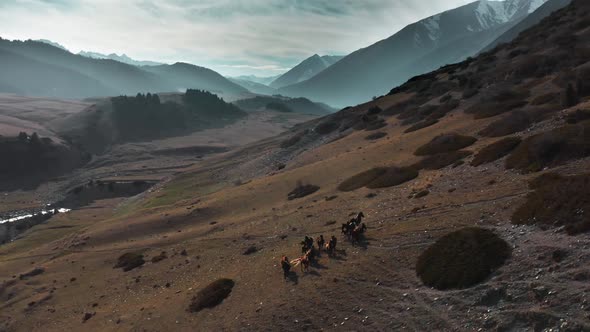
point(59, 73)
point(52, 43)
point(121, 58)
point(441, 39)
point(26, 76)
point(254, 87)
point(305, 70)
point(266, 80)
point(283, 104)
point(530, 21)
point(181, 76)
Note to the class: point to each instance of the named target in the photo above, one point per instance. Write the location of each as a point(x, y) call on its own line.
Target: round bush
point(362, 179)
point(462, 258)
point(496, 151)
point(212, 295)
point(445, 143)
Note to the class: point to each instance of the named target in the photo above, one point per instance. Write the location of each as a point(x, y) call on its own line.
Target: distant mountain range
point(307, 69)
point(254, 87)
point(257, 79)
point(442, 39)
point(121, 58)
point(40, 69)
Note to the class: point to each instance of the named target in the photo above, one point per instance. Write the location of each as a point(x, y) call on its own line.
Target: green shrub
point(578, 116)
point(495, 151)
point(557, 201)
point(212, 295)
point(362, 179)
point(546, 99)
point(379, 177)
point(326, 127)
point(501, 102)
point(376, 136)
point(445, 143)
point(302, 190)
point(462, 258)
point(551, 148)
point(130, 261)
point(162, 256)
point(393, 176)
point(289, 142)
point(376, 124)
point(512, 123)
point(441, 160)
point(468, 93)
point(420, 125)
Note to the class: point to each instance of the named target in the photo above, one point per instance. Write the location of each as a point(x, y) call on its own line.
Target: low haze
point(233, 37)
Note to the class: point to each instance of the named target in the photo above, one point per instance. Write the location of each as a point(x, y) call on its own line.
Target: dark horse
point(348, 228)
point(357, 231)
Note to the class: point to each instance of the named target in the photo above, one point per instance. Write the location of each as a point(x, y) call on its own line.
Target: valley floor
point(216, 209)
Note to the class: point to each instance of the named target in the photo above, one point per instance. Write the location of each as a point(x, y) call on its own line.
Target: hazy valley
point(452, 194)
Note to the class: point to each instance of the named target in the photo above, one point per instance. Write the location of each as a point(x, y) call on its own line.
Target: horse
point(304, 261)
point(331, 246)
point(358, 219)
point(357, 231)
point(321, 243)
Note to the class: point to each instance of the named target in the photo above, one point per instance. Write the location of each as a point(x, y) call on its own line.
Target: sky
point(233, 37)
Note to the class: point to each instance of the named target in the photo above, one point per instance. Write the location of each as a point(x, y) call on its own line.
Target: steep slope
point(229, 218)
point(121, 58)
point(307, 69)
point(111, 77)
point(531, 20)
point(445, 38)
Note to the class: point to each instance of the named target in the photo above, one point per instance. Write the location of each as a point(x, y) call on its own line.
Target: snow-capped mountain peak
point(490, 13)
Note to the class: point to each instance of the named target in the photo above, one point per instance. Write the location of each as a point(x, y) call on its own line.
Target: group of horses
point(354, 228)
point(351, 230)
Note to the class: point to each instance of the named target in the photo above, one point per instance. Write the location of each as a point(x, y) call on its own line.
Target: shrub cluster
point(441, 160)
point(496, 151)
point(551, 148)
point(302, 190)
point(557, 201)
point(445, 143)
point(462, 258)
point(130, 261)
point(379, 177)
point(212, 295)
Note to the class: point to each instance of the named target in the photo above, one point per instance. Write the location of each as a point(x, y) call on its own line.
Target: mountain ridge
point(305, 70)
point(390, 62)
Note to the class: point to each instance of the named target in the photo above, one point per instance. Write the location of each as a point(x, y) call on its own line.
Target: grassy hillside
point(213, 236)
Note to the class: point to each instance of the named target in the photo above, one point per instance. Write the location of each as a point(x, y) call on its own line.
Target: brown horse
point(304, 261)
point(357, 231)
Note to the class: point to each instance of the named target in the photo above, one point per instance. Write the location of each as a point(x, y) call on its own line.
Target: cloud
point(231, 36)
